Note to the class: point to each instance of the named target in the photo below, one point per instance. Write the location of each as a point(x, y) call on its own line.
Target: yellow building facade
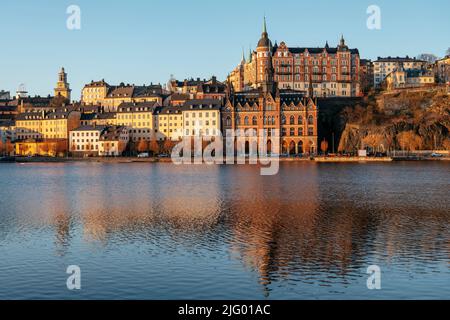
point(46, 125)
point(138, 118)
point(169, 123)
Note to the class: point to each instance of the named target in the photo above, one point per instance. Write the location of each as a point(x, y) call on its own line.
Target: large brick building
point(331, 71)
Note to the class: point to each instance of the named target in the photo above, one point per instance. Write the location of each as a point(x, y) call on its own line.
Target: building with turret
point(330, 71)
point(266, 105)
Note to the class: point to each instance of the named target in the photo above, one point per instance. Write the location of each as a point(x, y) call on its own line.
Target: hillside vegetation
point(407, 120)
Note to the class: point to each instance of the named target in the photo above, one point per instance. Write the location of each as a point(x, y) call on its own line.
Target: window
point(254, 121)
point(246, 121)
point(292, 132)
point(300, 131)
point(292, 120)
point(228, 121)
point(310, 119)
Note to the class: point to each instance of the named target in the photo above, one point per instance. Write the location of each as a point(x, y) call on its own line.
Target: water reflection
point(310, 228)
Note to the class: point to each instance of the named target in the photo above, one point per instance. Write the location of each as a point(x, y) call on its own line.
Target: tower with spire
point(62, 86)
point(264, 71)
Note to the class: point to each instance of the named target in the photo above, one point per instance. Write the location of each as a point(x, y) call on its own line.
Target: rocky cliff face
point(409, 120)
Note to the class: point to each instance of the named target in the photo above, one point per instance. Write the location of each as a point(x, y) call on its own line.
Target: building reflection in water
point(314, 226)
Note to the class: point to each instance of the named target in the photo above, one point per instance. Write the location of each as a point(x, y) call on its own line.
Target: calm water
point(156, 231)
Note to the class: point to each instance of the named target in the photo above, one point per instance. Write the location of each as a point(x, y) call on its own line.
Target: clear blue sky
point(137, 41)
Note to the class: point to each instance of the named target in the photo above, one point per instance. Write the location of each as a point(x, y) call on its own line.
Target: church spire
point(264, 25)
point(243, 56)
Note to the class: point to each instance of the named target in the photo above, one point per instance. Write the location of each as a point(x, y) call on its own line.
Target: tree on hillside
point(428, 57)
point(410, 141)
point(446, 144)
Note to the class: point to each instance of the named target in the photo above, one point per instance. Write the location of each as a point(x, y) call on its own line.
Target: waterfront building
point(85, 140)
point(40, 147)
point(54, 124)
point(98, 140)
point(169, 123)
point(290, 112)
point(201, 117)
point(138, 118)
point(113, 141)
point(332, 71)
point(62, 86)
point(384, 66)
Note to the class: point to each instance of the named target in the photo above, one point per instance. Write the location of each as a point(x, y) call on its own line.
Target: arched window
point(283, 119)
point(228, 121)
point(292, 120)
point(238, 120)
point(300, 120)
point(273, 120)
point(310, 131)
point(254, 121)
point(246, 121)
point(310, 119)
point(300, 131)
point(265, 120)
point(292, 131)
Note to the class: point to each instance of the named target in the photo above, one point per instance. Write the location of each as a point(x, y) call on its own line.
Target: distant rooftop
point(398, 59)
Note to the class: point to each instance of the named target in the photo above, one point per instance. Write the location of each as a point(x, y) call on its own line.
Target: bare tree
point(154, 146)
point(428, 57)
point(142, 146)
point(168, 146)
point(410, 141)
